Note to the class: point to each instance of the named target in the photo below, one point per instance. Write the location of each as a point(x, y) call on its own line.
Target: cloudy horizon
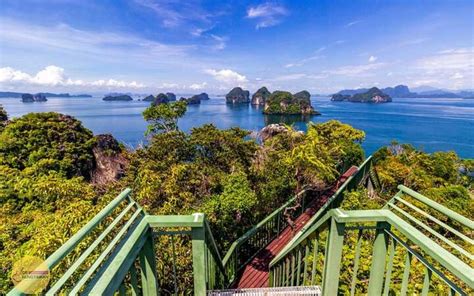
point(144, 46)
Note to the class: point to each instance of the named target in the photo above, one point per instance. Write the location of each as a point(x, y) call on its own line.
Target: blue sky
point(192, 46)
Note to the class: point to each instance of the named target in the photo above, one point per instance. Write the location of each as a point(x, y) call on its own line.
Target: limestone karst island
point(218, 148)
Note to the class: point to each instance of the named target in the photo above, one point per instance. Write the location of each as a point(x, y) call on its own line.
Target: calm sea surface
point(429, 124)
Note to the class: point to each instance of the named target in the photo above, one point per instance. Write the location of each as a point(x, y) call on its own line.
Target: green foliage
point(3, 118)
point(47, 141)
point(403, 164)
point(164, 117)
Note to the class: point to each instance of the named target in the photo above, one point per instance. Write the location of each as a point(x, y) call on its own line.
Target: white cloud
point(351, 24)
point(220, 42)
point(227, 76)
point(267, 14)
point(457, 59)
point(55, 76)
point(452, 68)
point(303, 61)
point(113, 47)
point(356, 69)
point(372, 59)
point(197, 86)
point(176, 13)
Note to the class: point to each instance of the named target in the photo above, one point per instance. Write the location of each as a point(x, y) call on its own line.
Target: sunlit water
point(429, 124)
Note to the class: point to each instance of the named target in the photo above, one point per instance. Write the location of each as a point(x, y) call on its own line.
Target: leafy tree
point(164, 117)
point(47, 141)
point(3, 118)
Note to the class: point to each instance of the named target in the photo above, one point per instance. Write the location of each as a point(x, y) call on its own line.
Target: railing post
point(377, 268)
point(148, 267)
point(199, 260)
point(332, 262)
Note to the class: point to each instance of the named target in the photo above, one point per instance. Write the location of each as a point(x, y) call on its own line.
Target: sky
point(151, 46)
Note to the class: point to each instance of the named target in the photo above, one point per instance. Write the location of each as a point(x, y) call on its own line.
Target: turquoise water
point(430, 124)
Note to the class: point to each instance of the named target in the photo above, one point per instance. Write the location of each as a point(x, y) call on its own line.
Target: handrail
point(284, 274)
point(450, 213)
point(67, 247)
point(333, 202)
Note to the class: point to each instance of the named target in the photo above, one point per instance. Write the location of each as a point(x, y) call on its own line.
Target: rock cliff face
point(29, 98)
point(274, 129)
point(149, 98)
point(161, 98)
point(283, 102)
point(201, 96)
point(118, 98)
point(109, 161)
point(260, 96)
point(40, 98)
point(373, 95)
point(237, 96)
point(171, 96)
point(194, 100)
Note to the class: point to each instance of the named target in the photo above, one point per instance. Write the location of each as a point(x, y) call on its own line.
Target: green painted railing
point(258, 237)
point(404, 257)
point(115, 253)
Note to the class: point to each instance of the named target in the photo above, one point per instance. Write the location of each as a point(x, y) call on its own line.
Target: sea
point(428, 124)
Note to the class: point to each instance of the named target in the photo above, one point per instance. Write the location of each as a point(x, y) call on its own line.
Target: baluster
point(388, 277)
point(315, 258)
point(356, 262)
point(134, 280)
point(332, 262)
point(406, 274)
point(306, 254)
point(379, 255)
point(292, 268)
point(298, 268)
point(426, 282)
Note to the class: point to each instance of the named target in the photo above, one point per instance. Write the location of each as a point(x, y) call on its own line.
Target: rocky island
point(196, 99)
point(373, 95)
point(237, 96)
point(29, 98)
point(118, 98)
point(259, 98)
point(285, 103)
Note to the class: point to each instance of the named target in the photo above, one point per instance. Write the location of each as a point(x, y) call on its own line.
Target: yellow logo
point(30, 275)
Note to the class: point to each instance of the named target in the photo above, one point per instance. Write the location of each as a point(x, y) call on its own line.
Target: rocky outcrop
point(110, 163)
point(161, 98)
point(237, 96)
point(303, 96)
point(259, 97)
point(118, 98)
point(149, 98)
point(202, 96)
point(340, 97)
point(373, 95)
point(27, 98)
point(171, 97)
point(283, 102)
point(272, 130)
point(194, 100)
point(40, 98)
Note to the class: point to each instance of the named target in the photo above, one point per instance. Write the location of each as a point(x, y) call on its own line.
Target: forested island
point(373, 95)
point(278, 102)
point(118, 98)
point(55, 173)
point(402, 91)
point(9, 94)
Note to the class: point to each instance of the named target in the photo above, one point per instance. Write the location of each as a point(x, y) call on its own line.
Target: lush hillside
point(47, 194)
